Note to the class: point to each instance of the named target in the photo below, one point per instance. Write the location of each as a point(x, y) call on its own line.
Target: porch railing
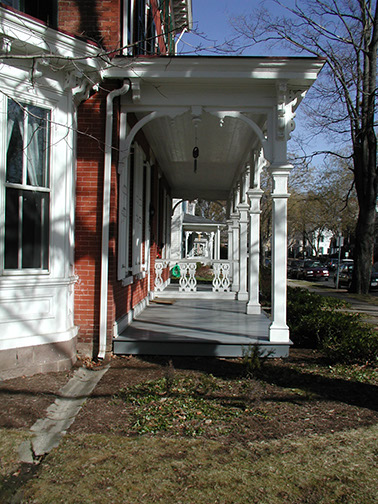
point(221, 270)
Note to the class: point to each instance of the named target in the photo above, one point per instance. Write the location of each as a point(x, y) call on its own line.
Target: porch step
point(122, 346)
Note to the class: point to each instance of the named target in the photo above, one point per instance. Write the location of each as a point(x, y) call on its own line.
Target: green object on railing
point(176, 271)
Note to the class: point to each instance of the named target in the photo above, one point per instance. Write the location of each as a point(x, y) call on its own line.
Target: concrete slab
point(61, 414)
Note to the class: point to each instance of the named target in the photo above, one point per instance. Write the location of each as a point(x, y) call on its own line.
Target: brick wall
point(88, 230)
point(98, 20)
point(89, 186)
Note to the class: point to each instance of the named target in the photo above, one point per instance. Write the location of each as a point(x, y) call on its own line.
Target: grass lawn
point(334, 468)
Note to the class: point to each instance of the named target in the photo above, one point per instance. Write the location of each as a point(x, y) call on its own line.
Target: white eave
point(297, 71)
point(23, 36)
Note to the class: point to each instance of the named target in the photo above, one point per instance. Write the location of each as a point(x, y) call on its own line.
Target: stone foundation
point(38, 359)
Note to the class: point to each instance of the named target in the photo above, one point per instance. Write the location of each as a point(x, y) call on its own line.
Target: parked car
point(293, 268)
point(333, 263)
point(313, 270)
point(346, 274)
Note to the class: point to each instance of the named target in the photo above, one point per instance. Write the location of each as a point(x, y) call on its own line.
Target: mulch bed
point(289, 400)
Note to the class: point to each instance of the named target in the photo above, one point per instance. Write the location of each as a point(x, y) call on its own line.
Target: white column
point(279, 331)
point(211, 245)
point(229, 243)
point(235, 252)
point(217, 244)
point(253, 305)
point(186, 243)
point(235, 239)
point(243, 251)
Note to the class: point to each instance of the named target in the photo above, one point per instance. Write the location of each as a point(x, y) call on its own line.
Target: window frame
point(24, 186)
point(133, 226)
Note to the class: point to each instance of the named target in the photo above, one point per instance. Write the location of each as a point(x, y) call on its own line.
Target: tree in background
point(343, 102)
point(320, 201)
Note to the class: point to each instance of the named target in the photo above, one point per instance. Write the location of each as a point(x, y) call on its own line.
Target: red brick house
point(100, 119)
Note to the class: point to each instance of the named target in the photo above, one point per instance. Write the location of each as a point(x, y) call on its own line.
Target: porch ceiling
point(223, 146)
point(208, 91)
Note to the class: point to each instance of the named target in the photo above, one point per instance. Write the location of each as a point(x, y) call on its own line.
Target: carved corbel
point(135, 90)
point(6, 45)
point(287, 103)
point(281, 109)
point(36, 71)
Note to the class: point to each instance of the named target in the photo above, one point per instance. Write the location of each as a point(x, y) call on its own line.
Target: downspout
point(179, 39)
point(106, 217)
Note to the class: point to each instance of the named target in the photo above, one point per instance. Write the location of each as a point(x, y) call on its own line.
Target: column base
point(242, 296)
point(253, 309)
point(279, 334)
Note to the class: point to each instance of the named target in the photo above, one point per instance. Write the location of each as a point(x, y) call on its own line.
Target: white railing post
point(160, 285)
point(188, 281)
point(221, 280)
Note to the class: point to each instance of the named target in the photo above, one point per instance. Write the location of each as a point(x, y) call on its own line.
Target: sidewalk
point(366, 305)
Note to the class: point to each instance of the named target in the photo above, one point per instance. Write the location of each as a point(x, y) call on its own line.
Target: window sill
point(127, 281)
point(25, 272)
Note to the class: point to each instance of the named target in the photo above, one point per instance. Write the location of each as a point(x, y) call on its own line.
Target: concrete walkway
point(47, 432)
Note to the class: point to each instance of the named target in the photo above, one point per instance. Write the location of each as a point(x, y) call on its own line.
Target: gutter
point(106, 217)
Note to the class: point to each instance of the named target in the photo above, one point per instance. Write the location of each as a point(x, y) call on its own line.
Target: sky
point(213, 20)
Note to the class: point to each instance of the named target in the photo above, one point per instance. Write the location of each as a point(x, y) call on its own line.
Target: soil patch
point(295, 397)
point(289, 399)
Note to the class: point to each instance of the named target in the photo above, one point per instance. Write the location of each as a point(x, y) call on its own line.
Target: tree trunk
point(366, 187)
point(364, 247)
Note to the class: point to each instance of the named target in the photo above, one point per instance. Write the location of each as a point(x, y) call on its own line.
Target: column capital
point(280, 174)
point(255, 193)
point(243, 207)
point(280, 169)
point(254, 200)
point(234, 218)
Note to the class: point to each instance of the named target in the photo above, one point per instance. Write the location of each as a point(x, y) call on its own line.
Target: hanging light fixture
point(195, 153)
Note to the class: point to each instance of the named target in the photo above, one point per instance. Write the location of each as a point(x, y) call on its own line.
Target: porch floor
point(198, 327)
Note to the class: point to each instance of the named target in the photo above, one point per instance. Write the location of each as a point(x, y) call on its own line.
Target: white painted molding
point(121, 324)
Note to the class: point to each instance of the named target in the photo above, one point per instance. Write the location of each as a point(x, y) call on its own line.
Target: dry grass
point(10, 440)
point(334, 468)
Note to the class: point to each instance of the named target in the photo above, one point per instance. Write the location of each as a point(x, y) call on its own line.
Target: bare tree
point(345, 32)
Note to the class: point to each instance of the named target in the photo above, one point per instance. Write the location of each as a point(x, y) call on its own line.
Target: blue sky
point(212, 20)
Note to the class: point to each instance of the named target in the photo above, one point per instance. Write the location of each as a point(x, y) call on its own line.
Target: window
point(133, 199)
point(45, 10)
point(27, 188)
point(140, 27)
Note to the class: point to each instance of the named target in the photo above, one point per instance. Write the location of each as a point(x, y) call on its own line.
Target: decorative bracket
point(35, 71)
point(281, 109)
point(287, 103)
point(6, 45)
point(135, 90)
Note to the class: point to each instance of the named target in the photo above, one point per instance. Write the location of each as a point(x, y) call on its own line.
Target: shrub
point(317, 322)
point(254, 358)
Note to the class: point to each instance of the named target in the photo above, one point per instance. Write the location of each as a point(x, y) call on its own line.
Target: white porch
point(197, 326)
point(213, 124)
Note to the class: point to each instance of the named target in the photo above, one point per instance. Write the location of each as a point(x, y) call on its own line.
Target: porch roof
point(225, 106)
point(197, 223)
